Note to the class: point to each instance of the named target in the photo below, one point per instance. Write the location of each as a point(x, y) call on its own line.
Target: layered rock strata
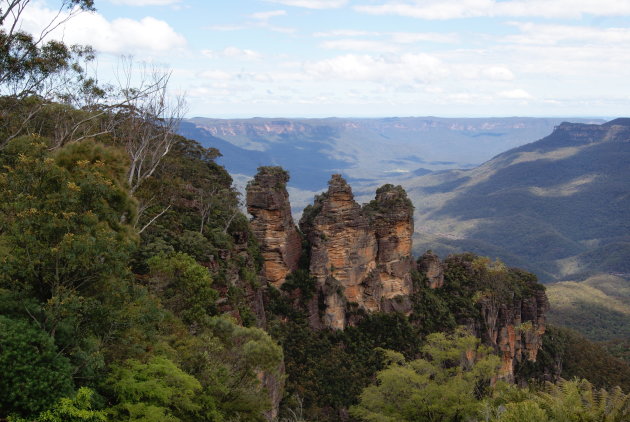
point(391, 216)
point(361, 259)
point(360, 255)
point(272, 223)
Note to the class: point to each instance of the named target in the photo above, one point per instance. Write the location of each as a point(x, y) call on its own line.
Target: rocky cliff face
point(391, 216)
point(510, 305)
point(514, 329)
point(272, 223)
point(360, 256)
point(429, 264)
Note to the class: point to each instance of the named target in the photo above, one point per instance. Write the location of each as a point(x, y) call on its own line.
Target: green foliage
point(302, 280)
point(66, 243)
point(390, 197)
point(310, 212)
point(277, 172)
point(183, 286)
point(63, 216)
point(252, 347)
point(566, 353)
point(454, 383)
point(577, 400)
point(202, 219)
point(446, 386)
point(69, 230)
point(329, 368)
point(525, 411)
point(34, 374)
point(598, 307)
point(77, 409)
point(234, 358)
point(431, 311)
point(620, 348)
point(470, 281)
point(152, 391)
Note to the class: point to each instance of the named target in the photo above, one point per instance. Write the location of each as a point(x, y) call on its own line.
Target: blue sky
point(316, 58)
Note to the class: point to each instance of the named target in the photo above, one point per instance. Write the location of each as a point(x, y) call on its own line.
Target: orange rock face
point(360, 256)
point(513, 324)
point(514, 329)
point(391, 215)
point(272, 223)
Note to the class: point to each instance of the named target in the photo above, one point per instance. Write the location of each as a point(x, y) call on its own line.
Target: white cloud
point(515, 94)
point(268, 15)
point(549, 34)
point(469, 69)
point(454, 9)
point(344, 33)
point(414, 37)
point(240, 53)
point(313, 4)
point(215, 75)
point(498, 73)
point(145, 2)
point(359, 45)
point(281, 29)
point(403, 68)
point(396, 37)
point(119, 36)
point(259, 20)
point(233, 53)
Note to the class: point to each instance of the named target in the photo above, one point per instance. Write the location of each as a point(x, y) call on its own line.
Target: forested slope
point(132, 287)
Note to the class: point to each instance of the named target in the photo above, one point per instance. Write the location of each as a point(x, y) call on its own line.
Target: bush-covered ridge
point(129, 278)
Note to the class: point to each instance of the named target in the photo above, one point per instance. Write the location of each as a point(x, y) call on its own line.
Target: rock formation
point(391, 216)
point(515, 330)
point(360, 256)
point(510, 305)
point(272, 223)
point(429, 264)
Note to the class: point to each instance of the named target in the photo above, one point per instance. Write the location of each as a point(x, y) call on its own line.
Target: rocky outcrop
point(515, 330)
point(360, 259)
point(504, 307)
point(273, 384)
point(359, 255)
point(343, 251)
point(430, 265)
point(272, 223)
point(391, 216)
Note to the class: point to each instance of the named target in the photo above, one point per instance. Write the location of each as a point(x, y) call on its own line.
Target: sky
point(369, 58)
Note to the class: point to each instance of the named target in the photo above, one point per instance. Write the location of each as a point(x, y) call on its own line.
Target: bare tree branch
point(154, 218)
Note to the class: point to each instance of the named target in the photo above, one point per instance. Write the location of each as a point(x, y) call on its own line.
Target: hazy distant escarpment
point(559, 207)
point(366, 151)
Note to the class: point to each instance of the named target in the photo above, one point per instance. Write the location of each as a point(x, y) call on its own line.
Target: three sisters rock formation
point(360, 258)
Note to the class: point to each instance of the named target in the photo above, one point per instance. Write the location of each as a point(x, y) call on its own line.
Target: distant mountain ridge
point(364, 150)
point(559, 206)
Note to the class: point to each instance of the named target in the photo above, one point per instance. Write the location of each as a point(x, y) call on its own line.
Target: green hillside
point(559, 207)
point(599, 306)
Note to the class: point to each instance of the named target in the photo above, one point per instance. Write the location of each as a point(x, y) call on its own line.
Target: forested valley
point(133, 287)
